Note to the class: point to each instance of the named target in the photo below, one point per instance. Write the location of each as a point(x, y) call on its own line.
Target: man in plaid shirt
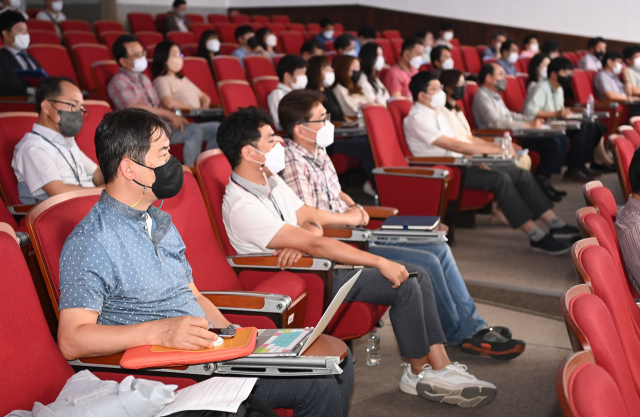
point(310, 173)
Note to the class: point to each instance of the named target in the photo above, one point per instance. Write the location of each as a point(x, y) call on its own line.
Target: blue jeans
point(192, 137)
point(457, 310)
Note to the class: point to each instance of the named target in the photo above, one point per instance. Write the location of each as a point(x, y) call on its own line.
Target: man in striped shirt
point(628, 225)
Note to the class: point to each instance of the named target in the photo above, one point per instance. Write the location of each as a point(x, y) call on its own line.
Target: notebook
point(411, 223)
point(294, 342)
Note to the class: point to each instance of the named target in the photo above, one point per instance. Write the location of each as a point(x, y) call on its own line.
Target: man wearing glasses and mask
point(47, 161)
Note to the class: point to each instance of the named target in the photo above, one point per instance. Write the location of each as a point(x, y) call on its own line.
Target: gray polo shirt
point(606, 81)
point(490, 112)
point(589, 62)
point(543, 97)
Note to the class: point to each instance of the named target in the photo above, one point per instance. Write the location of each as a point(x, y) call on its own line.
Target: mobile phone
point(413, 275)
point(224, 333)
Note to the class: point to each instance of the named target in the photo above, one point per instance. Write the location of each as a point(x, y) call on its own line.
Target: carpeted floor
point(512, 287)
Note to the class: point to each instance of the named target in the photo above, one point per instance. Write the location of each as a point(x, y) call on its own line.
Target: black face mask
point(355, 77)
point(565, 82)
point(252, 42)
point(70, 123)
point(169, 178)
point(599, 55)
point(458, 92)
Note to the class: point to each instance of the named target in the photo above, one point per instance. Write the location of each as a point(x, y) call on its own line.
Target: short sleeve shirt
point(605, 81)
point(180, 89)
point(397, 79)
point(126, 88)
point(273, 101)
point(589, 62)
point(422, 127)
point(110, 264)
point(543, 97)
point(253, 214)
point(634, 76)
point(46, 156)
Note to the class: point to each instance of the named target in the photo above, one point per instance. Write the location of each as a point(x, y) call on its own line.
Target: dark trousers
point(516, 190)
point(320, 396)
point(583, 143)
point(552, 152)
point(413, 313)
point(359, 148)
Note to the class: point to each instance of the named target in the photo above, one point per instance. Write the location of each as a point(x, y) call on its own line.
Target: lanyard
point(75, 174)
point(273, 201)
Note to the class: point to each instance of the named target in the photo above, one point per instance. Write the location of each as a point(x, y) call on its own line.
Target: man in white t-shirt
point(262, 214)
point(292, 73)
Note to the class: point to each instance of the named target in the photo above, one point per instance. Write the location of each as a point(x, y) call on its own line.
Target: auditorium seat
point(35, 24)
point(571, 56)
point(67, 25)
point(512, 95)
point(387, 51)
point(277, 57)
point(623, 151)
point(240, 19)
point(258, 66)
point(458, 61)
point(235, 94)
point(226, 48)
point(338, 28)
point(329, 47)
point(392, 34)
point(276, 28)
point(226, 30)
point(197, 70)
point(141, 22)
point(13, 126)
point(188, 49)
point(75, 37)
point(109, 38)
point(198, 28)
point(600, 197)
point(148, 38)
point(100, 26)
point(309, 34)
point(260, 18)
point(181, 38)
point(227, 68)
point(582, 82)
point(263, 86)
point(43, 37)
point(86, 137)
point(296, 27)
point(397, 47)
point(102, 72)
point(471, 59)
point(581, 53)
point(84, 55)
point(291, 41)
point(635, 122)
point(630, 133)
point(523, 65)
point(55, 60)
point(195, 18)
point(280, 18)
point(160, 18)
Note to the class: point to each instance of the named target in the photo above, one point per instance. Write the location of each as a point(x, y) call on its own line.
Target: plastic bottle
point(373, 348)
point(506, 145)
point(360, 117)
point(588, 111)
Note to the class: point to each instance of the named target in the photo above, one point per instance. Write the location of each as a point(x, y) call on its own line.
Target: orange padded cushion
point(593, 393)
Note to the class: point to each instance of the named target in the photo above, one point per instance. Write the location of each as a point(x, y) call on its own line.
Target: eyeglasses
point(179, 55)
point(74, 107)
point(326, 119)
point(139, 55)
point(434, 90)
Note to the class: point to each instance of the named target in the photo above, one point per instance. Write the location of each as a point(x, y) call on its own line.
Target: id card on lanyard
point(273, 201)
point(76, 170)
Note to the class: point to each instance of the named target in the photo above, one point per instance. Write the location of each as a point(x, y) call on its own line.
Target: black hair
point(420, 82)
point(487, 69)
point(178, 3)
point(436, 53)
point(445, 26)
point(260, 34)
point(549, 46)
point(118, 48)
point(343, 41)
point(558, 64)
point(535, 62)
point(611, 55)
point(528, 38)
point(296, 107)
point(497, 33)
point(367, 32)
point(449, 79)
point(594, 41)
point(314, 71)
point(630, 51)
point(160, 57)
point(507, 45)
point(9, 19)
point(49, 88)
point(326, 21)
point(634, 172)
point(288, 64)
point(243, 30)
point(239, 129)
point(409, 43)
point(368, 56)
point(126, 133)
point(203, 52)
point(309, 45)
point(422, 33)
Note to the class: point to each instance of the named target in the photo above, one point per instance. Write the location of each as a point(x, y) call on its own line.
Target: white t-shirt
point(273, 101)
point(252, 218)
point(422, 127)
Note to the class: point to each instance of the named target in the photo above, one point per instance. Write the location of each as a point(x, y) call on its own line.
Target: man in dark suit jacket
point(177, 20)
point(15, 35)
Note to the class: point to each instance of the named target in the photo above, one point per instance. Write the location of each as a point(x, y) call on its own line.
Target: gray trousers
point(192, 137)
point(414, 315)
point(516, 190)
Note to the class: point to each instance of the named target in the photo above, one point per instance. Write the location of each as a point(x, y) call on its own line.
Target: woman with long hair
point(537, 70)
point(321, 78)
point(347, 90)
point(268, 40)
point(209, 46)
point(372, 62)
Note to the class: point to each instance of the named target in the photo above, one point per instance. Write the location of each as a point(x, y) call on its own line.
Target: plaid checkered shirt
point(126, 88)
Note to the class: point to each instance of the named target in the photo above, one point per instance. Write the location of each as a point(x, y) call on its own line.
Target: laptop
point(294, 342)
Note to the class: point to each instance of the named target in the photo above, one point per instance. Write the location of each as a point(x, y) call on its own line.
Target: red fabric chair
point(55, 60)
point(635, 121)
point(581, 52)
point(280, 18)
point(75, 37)
point(471, 59)
point(34, 24)
point(630, 134)
point(512, 95)
point(309, 34)
point(218, 18)
point(67, 25)
point(160, 18)
point(458, 61)
point(227, 68)
point(480, 49)
point(313, 27)
point(102, 72)
point(84, 55)
point(86, 137)
point(427, 67)
point(148, 38)
point(291, 41)
point(387, 50)
point(623, 151)
point(296, 27)
point(235, 94)
point(467, 101)
point(106, 25)
point(338, 28)
point(276, 58)
point(329, 47)
point(197, 70)
point(522, 82)
point(109, 38)
point(240, 19)
point(227, 31)
point(276, 28)
point(189, 49)
point(601, 198)
point(141, 22)
point(582, 86)
point(396, 44)
point(593, 393)
point(263, 86)
point(226, 48)
point(13, 126)
point(260, 18)
point(455, 42)
point(198, 28)
point(43, 37)
point(571, 56)
point(392, 34)
point(195, 18)
point(181, 38)
point(258, 66)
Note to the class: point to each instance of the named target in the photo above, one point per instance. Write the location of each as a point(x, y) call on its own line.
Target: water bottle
point(360, 117)
point(373, 348)
point(589, 109)
point(506, 145)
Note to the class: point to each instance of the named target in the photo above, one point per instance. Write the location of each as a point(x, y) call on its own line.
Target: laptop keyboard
point(283, 341)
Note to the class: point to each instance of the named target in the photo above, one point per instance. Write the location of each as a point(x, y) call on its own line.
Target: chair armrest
point(435, 173)
point(436, 160)
point(248, 301)
point(20, 209)
point(346, 233)
point(489, 132)
point(268, 261)
point(380, 212)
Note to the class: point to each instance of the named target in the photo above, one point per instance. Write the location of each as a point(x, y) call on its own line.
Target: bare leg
point(600, 155)
point(437, 358)
point(528, 226)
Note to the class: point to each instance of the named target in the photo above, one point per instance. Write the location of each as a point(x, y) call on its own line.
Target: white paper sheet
point(218, 393)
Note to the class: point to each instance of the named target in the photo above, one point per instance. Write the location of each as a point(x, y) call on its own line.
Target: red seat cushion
point(284, 283)
point(593, 393)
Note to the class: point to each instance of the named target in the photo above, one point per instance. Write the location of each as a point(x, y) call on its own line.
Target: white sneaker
point(409, 381)
point(368, 189)
point(454, 385)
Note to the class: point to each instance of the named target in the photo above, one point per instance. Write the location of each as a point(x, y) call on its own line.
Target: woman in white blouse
point(372, 62)
point(347, 90)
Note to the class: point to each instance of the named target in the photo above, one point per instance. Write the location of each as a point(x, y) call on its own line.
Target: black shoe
point(607, 169)
point(565, 232)
point(549, 191)
point(576, 175)
point(550, 246)
point(502, 331)
point(488, 342)
point(592, 172)
point(559, 192)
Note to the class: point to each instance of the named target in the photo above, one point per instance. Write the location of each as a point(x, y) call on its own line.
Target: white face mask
point(379, 63)
point(140, 64)
point(351, 53)
point(274, 159)
point(324, 136)
point(448, 64)
point(513, 57)
point(617, 69)
point(301, 82)
point(271, 40)
point(328, 34)
point(426, 55)
point(498, 46)
point(15, 3)
point(438, 100)
point(213, 45)
point(329, 79)
point(534, 47)
point(57, 6)
point(22, 41)
point(636, 63)
point(447, 36)
point(416, 61)
point(543, 72)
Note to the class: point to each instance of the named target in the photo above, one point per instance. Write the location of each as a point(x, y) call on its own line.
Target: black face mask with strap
point(169, 178)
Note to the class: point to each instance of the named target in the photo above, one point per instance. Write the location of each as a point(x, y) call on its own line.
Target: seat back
point(226, 30)
point(235, 94)
point(471, 59)
point(276, 28)
point(46, 37)
point(467, 101)
point(623, 151)
point(280, 18)
point(635, 122)
point(296, 27)
point(523, 65)
point(75, 37)
point(181, 38)
point(34, 24)
point(218, 18)
point(226, 48)
point(74, 25)
point(392, 34)
point(198, 28)
point(291, 41)
point(399, 109)
point(86, 138)
point(109, 37)
point(197, 70)
point(513, 96)
point(458, 60)
point(630, 134)
point(241, 19)
point(313, 27)
point(260, 18)
point(104, 25)
point(601, 198)
point(263, 86)
point(141, 22)
point(13, 126)
point(55, 60)
point(84, 55)
point(227, 68)
point(396, 44)
point(387, 51)
point(148, 38)
point(383, 138)
point(259, 66)
point(102, 72)
point(25, 334)
point(571, 56)
point(213, 171)
point(195, 18)
point(582, 85)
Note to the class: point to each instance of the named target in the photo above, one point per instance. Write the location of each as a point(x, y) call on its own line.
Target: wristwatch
point(357, 205)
